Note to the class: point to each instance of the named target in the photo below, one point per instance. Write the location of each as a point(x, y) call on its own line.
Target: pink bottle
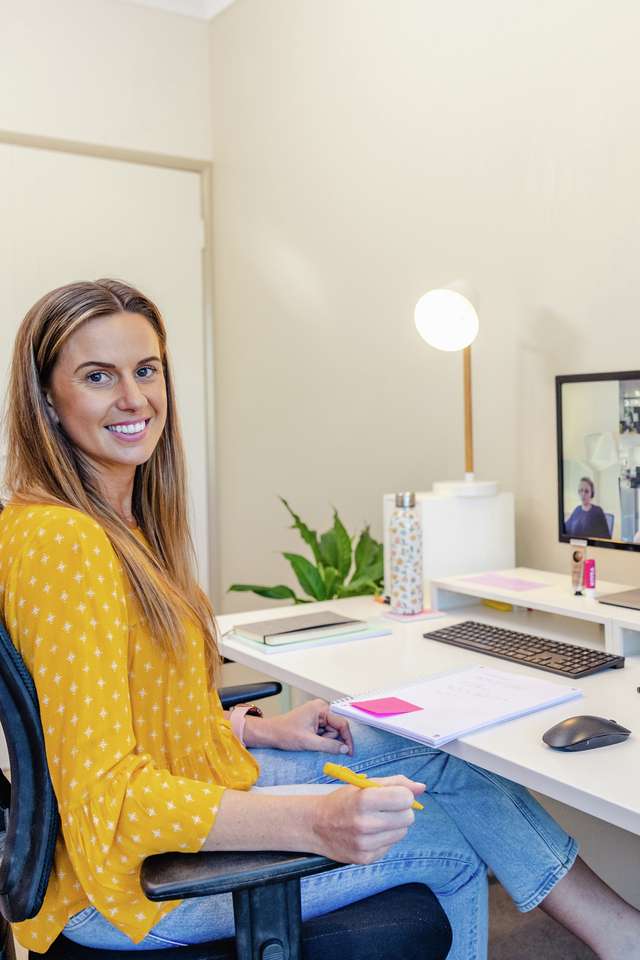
point(589, 577)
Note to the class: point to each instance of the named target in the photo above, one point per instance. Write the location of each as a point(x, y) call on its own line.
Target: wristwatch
point(238, 716)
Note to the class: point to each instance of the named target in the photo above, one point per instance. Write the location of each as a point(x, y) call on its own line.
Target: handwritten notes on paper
point(441, 708)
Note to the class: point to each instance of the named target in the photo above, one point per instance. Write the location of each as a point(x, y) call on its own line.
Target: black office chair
point(405, 922)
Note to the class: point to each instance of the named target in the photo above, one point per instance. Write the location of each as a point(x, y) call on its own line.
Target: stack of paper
point(443, 708)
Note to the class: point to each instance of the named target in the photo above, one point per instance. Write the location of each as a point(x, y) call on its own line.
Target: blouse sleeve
point(65, 604)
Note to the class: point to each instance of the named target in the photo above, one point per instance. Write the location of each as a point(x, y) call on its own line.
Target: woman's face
point(108, 391)
point(584, 492)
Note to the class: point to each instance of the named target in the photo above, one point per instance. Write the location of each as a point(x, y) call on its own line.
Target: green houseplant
point(338, 569)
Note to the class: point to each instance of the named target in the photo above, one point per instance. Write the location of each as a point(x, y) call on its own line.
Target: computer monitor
point(598, 421)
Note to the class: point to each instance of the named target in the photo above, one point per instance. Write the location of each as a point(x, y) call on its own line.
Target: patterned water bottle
point(406, 556)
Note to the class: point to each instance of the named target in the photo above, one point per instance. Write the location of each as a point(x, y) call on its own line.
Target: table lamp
point(446, 319)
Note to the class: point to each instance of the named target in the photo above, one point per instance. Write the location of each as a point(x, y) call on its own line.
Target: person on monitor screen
point(588, 519)
point(99, 593)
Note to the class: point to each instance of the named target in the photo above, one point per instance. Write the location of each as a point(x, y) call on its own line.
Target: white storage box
point(459, 534)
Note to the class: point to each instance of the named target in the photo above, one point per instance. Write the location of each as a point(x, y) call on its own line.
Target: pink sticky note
point(386, 706)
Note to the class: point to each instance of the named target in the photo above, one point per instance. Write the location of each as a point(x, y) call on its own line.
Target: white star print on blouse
point(138, 748)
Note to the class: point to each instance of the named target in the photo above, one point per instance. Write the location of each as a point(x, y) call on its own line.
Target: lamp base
point(469, 487)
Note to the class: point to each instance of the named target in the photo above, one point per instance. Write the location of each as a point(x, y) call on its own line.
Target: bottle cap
point(405, 499)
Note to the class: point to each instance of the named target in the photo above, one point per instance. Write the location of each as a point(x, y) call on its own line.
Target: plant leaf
point(308, 576)
point(343, 545)
point(358, 588)
point(366, 549)
point(368, 557)
point(309, 536)
point(280, 592)
point(375, 572)
point(331, 579)
point(329, 549)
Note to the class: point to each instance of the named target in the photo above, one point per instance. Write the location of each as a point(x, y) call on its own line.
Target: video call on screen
point(600, 455)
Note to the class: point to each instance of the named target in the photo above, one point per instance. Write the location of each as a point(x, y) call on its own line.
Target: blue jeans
point(472, 820)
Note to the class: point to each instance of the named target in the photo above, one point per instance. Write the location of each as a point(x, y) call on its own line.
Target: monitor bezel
point(584, 378)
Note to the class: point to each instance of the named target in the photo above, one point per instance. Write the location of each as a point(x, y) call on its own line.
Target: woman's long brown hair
point(43, 466)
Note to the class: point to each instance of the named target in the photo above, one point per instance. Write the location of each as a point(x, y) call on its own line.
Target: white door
point(66, 217)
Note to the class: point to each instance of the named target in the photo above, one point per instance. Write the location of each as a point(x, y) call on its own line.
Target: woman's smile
point(129, 431)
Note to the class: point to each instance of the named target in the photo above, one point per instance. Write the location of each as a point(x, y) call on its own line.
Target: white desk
point(603, 782)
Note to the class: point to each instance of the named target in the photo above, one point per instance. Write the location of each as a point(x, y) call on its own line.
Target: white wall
point(105, 72)
point(338, 202)
point(364, 153)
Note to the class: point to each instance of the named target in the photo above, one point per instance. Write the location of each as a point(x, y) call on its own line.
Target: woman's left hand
point(311, 726)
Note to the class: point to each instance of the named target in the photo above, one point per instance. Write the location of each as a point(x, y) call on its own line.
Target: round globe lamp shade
point(446, 320)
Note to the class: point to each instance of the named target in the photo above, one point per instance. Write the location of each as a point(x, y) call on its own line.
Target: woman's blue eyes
point(143, 373)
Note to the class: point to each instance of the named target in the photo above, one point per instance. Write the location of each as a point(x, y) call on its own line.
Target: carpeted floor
point(528, 936)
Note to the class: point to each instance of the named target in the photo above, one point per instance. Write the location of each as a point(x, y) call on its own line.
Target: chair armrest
point(246, 692)
point(179, 876)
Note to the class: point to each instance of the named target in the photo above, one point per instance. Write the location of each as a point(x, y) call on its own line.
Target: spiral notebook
point(438, 709)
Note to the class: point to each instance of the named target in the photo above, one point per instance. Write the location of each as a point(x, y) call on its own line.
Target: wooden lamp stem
point(468, 413)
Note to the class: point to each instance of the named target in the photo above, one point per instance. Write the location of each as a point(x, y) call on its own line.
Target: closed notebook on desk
point(442, 708)
point(295, 628)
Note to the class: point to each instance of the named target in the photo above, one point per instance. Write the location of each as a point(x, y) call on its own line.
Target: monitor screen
point(598, 419)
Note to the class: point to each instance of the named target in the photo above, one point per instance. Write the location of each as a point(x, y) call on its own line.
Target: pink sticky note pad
point(386, 706)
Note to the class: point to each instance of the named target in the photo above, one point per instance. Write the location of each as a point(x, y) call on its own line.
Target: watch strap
point(238, 717)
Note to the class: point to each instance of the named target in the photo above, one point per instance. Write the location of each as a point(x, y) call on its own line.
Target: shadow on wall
point(554, 339)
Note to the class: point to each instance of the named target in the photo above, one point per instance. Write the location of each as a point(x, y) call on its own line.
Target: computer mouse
point(584, 733)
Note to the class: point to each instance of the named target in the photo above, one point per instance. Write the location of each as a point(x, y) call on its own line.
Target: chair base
point(405, 922)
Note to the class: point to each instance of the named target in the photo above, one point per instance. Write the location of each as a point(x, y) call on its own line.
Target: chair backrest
point(29, 812)
point(610, 520)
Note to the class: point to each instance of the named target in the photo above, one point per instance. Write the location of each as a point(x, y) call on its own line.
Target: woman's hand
point(348, 825)
point(359, 826)
point(310, 726)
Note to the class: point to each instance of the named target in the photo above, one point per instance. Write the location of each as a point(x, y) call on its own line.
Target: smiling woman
point(99, 595)
point(90, 366)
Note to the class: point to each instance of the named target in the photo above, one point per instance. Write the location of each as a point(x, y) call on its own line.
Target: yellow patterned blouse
point(138, 748)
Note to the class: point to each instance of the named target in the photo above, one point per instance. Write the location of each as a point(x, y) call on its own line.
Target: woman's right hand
point(351, 825)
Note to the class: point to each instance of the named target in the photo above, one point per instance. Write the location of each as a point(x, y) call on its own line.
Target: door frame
point(204, 168)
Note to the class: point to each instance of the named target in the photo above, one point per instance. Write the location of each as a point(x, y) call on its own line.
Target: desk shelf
point(550, 610)
point(585, 633)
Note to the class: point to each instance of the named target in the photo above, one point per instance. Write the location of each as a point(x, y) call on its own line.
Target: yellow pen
point(361, 780)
